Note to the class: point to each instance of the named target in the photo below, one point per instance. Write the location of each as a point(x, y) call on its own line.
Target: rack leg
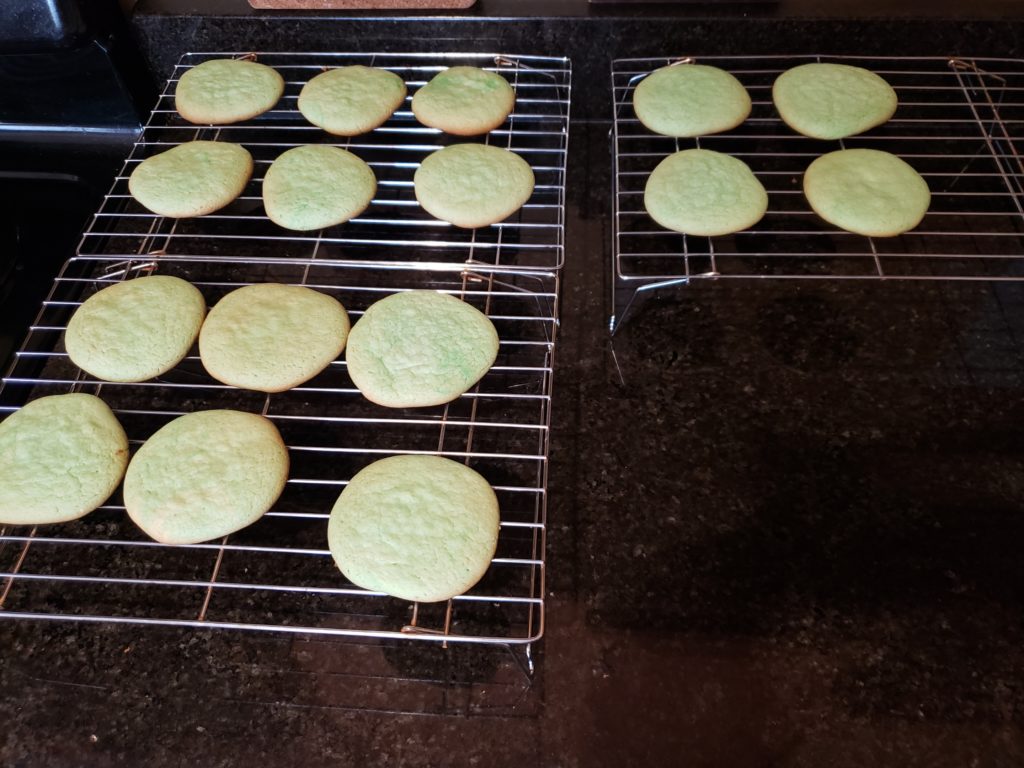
point(637, 296)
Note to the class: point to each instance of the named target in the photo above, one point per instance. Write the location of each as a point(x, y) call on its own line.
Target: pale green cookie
point(420, 348)
point(136, 329)
point(473, 185)
point(191, 179)
point(690, 100)
point(272, 337)
point(351, 100)
point(317, 186)
point(867, 191)
point(700, 192)
point(416, 527)
point(465, 101)
point(205, 475)
point(832, 101)
point(223, 91)
point(60, 457)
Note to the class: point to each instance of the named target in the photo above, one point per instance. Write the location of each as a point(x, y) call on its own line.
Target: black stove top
point(68, 117)
point(39, 228)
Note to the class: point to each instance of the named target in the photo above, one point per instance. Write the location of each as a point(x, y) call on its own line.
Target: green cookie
point(473, 185)
point(867, 191)
point(465, 101)
point(191, 179)
point(136, 329)
point(317, 186)
point(416, 527)
point(272, 337)
point(60, 457)
point(700, 192)
point(351, 100)
point(420, 348)
point(223, 91)
point(832, 101)
point(690, 100)
point(205, 475)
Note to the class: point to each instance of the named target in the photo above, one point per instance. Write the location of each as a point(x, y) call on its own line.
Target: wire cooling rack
point(278, 573)
point(394, 231)
point(957, 123)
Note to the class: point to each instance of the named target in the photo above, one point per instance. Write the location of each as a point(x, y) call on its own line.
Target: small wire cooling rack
point(957, 123)
point(278, 574)
point(394, 231)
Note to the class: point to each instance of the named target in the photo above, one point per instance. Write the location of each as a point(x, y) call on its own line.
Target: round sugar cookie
point(420, 348)
point(416, 527)
point(191, 179)
point(223, 91)
point(690, 100)
point(832, 101)
point(465, 101)
point(317, 186)
point(204, 475)
point(135, 329)
point(473, 185)
point(351, 100)
point(867, 191)
point(60, 457)
point(700, 192)
point(272, 337)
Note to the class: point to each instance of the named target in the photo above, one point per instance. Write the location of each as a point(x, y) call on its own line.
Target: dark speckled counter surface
point(786, 521)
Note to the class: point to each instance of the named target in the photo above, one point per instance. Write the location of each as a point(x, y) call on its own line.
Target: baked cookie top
point(867, 191)
point(204, 475)
point(832, 101)
point(473, 185)
point(272, 337)
point(351, 100)
point(420, 348)
point(223, 91)
point(416, 527)
point(317, 186)
point(690, 100)
point(61, 456)
point(465, 101)
point(701, 192)
point(135, 329)
point(191, 179)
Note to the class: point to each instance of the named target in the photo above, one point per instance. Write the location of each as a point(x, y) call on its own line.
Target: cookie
point(700, 192)
point(205, 475)
point(686, 100)
point(420, 348)
point(223, 91)
point(465, 101)
point(473, 185)
point(272, 337)
point(351, 100)
point(191, 179)
point(867, 191)
point(832, 101)
point(416, 527)
point(60, 457)
point(317, 186)
point(135, 329)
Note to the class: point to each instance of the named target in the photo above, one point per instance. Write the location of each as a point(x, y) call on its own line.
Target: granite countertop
point(784, 526)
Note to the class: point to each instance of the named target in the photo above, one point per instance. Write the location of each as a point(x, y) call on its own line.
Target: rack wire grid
point(394, 231)
point(278, 574)
point(957, 124)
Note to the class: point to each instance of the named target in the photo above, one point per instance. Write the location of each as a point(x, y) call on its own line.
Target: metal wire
point(277, 574)
point(957, 123)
